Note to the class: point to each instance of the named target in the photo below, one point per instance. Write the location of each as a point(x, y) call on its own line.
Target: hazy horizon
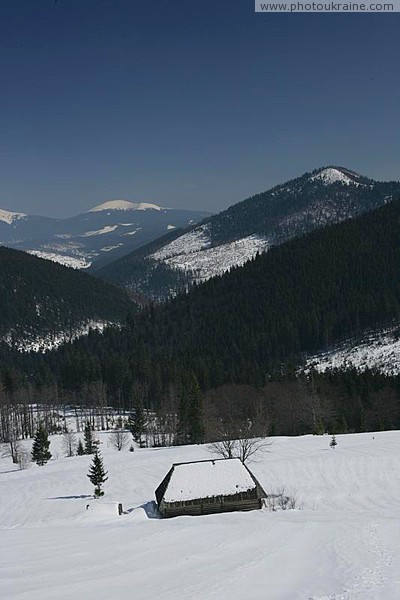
point(197, 107)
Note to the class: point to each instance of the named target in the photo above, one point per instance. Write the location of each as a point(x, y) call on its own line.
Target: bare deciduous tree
point(239, 429)
point(24, 459)
point(282, 500)
point(12, 450)
point(119, 439)
point(69, 443)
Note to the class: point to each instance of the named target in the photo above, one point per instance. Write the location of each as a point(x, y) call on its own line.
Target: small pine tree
point(89, 442)
point(97, 475)
point(40, 449)
point(333, 443)
point(80, 449)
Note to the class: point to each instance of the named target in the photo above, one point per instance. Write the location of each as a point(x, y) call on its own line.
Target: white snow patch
point(208, 479)
point(192, 254)
point(109, 248)
point(331, 175)
point(133, 232)
point(125, 205)
point(106, 229)
point(52, 341)
point(377, 350)
point(75, 262)
point(9, 217)
point(193, 241)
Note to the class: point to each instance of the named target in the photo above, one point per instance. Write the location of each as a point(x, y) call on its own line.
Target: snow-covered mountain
point(97, 236)
point(234, 236)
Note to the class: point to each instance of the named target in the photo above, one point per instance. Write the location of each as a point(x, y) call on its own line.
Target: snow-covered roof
point(206, 479)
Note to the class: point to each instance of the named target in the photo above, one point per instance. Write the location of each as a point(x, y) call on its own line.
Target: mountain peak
point(124, 205)
point(332, 174)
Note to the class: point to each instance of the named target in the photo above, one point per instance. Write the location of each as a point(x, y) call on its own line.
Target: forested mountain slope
point(43, 303)
point(300, 297)
point(232, 237)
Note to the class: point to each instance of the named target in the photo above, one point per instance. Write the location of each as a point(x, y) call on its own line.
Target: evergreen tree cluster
point(41, 446)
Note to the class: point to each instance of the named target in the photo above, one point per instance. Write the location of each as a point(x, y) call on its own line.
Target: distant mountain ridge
point(97, 236)
point(231, 238)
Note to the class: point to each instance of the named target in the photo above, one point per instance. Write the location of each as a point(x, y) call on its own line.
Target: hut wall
point(206, 506)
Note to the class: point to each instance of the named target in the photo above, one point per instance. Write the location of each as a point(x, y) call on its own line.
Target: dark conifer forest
point(39, 298)
point(239, 340)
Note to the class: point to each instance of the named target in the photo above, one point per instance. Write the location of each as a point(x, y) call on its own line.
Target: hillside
point(244, 335)
point(234, 236)
point(342, 543)
point(302, 296)
point(43, 304)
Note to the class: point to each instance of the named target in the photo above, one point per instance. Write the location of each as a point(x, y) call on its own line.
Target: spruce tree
point(40, 449)
point(190, 427)
point(137, 422)
point(80, 449)
point(196, 425)
point(89, 443)
point(97, 475)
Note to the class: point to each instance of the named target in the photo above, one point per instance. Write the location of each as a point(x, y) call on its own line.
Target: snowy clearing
point(74, 262)
point(332, 175)
point(102, 231)
point(343, 545)
point(192, 252)
point(52, 341)
point(378, 350)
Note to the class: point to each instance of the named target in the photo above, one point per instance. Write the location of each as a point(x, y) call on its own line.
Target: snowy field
point(343, 545)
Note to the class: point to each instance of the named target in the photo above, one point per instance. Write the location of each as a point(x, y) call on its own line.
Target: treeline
point(337, 402)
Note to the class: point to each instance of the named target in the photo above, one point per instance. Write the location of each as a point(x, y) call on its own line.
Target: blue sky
point(194, 104)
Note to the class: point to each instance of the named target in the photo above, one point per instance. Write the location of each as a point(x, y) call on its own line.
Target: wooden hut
point(208, 486)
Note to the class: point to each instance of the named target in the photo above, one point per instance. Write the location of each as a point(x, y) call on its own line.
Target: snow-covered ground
point(192, 252)
point(343, 545)
point(75, 262)
point(378, 350)
point(331, 175)
point(52, 341)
